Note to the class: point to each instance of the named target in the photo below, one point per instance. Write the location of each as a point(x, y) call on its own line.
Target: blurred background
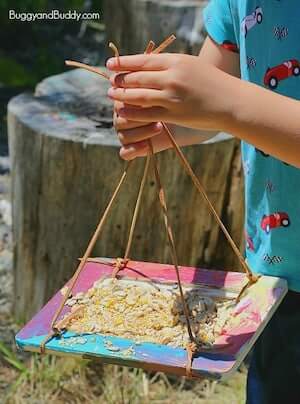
point(31, 51)
point(68, 115)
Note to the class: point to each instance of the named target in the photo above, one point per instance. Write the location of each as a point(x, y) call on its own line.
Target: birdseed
point(144, 312)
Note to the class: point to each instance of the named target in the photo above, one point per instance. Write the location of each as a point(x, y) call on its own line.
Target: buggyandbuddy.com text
point(52, 15)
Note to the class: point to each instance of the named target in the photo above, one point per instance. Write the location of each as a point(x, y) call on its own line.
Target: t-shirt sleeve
point(219, 24)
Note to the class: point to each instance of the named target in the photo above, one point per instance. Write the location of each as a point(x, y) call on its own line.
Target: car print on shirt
point(278, 219)
point(272, 260)
point(249, 242)
point(251, 20)
point(270, 187)
point(251, 62)
point(281, 72)
point(228, 45)
point(280, 33)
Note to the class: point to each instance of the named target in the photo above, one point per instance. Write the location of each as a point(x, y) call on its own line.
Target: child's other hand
point(174, 88)
point(134, 135)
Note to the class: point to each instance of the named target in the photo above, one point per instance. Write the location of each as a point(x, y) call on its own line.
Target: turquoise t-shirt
point(267, 36)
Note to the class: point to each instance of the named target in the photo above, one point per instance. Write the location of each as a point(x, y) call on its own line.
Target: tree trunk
point(65, 166)
point(132, 23)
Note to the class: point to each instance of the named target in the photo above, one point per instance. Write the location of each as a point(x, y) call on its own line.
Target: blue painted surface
point(228, 351)
point(164, 356)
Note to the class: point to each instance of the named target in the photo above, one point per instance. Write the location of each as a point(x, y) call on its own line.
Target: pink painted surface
point(140, 270)
point(247, 317)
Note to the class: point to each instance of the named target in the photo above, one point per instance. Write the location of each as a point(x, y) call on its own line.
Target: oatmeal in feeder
point(147, 312)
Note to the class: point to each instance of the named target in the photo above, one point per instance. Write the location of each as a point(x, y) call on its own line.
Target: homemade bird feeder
point(181, 320)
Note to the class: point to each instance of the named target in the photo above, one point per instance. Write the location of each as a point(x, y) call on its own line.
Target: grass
point(54, 380)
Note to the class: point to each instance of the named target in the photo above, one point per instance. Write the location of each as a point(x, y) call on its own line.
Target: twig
point(87, 67)
point(165, 44)
point(60, 325)
point(150, 47)
point(90, 245)
point(115, 50)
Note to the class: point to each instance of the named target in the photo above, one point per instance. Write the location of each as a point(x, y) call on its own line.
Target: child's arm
point(184, 90)
point(132, 134)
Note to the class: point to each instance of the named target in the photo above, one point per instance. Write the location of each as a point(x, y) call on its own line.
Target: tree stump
point(65, 166)
point(132, 23)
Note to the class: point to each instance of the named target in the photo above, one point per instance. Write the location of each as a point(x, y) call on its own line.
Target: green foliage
point(27, 5)
point(73, 4)
point(14, 74)
point(11, 358)
point(49, 379)
point(25, 58)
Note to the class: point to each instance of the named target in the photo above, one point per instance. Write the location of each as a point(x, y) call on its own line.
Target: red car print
point(278, 219)
point(228, 45)
point(249, 242)
point(281, 72)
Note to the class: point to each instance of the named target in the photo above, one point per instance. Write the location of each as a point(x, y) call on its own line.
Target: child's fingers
point(139, 134)
point(152, 114)
point(139, 62)
point(138, 96)
point(141, 149)
point(134, 150)
point(154, 80)
point(123, 124)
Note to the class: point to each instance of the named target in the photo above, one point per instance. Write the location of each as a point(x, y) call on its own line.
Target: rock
point(4, 165)
point(6, 282)
point(5, 212)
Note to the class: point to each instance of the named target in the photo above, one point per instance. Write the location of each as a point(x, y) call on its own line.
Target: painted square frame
point(249, 318)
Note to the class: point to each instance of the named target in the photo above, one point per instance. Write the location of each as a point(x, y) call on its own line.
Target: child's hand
point(134, 136)
point(173, 88)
